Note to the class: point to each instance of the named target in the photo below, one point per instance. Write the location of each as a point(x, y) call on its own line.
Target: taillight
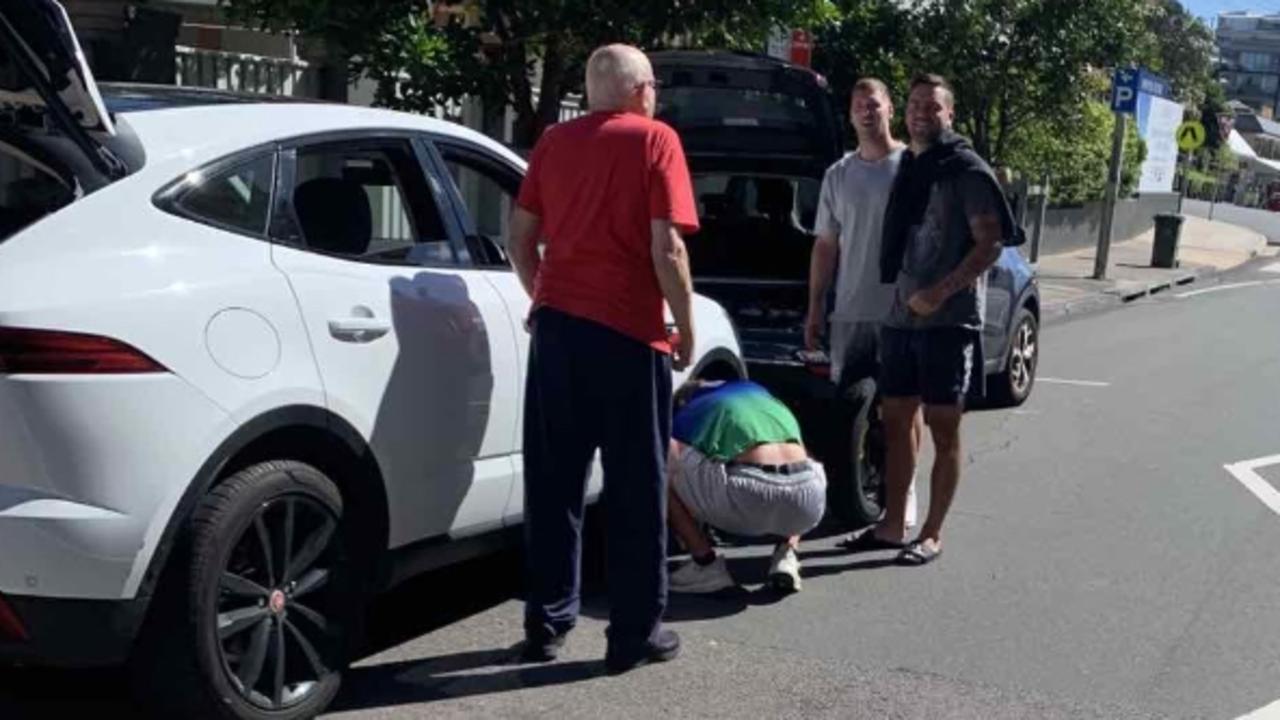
point(11, 627)
point(53, 352)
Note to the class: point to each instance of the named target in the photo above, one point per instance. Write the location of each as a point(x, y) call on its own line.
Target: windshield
point(728, 119)
point(691, 106)
point(753, 225)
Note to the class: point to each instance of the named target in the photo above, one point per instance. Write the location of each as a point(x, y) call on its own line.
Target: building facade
point(1249, 59)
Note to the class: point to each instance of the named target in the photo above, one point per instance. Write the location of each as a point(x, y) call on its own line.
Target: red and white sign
point(801, 48)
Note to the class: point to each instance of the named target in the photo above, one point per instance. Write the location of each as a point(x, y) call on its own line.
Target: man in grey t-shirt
point(946, 222)
point(848, 228)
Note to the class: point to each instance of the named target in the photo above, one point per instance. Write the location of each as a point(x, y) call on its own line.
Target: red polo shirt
point(595, 183)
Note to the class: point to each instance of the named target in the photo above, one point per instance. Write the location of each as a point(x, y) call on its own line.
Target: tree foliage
point(526, 54)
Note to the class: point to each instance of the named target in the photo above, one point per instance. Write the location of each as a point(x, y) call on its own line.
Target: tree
point(1180, 48)
point(526, 54)
point(1076, 153)
point(1016, 61)
point(865, 38)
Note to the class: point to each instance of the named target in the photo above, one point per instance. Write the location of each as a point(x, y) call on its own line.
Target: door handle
point(358, 329)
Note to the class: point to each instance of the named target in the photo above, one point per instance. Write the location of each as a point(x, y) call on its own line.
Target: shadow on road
point(431, 679)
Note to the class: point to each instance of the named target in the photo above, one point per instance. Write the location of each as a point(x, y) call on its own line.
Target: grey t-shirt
point(937, 246)
point(851, 208)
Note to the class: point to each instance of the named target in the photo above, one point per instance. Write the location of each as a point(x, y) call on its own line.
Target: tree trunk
point(524, 132)
point(551, 91)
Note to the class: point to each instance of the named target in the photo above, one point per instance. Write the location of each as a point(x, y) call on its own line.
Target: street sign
point(801, 47)
point(1190, 135)
point(1124, 91)
point(1126, 83)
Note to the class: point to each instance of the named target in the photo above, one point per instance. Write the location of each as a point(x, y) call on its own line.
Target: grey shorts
point(855, 351)
point(751, 500)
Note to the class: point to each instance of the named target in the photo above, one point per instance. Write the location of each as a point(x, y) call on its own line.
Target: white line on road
point(1217, 288)
point(1270, 712)
point(1246, 472)
point(1273, 268)
point(1081, 383)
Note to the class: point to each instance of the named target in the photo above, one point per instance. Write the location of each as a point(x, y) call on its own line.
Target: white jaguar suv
point(258, 360)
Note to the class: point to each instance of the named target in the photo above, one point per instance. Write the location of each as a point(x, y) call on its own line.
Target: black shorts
point(935, 364)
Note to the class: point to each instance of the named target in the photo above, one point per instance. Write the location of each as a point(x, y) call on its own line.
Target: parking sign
point(1124, 91)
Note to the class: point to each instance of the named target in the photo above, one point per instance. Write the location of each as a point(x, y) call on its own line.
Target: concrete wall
point(1077, 227)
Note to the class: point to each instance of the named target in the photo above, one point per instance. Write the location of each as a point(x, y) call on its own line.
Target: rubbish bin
point(1164, 251)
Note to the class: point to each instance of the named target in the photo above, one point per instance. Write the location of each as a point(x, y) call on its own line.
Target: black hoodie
point(950, 156)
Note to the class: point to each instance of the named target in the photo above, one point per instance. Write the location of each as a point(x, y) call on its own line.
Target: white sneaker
point(912, 514)
point(694, 578)
point(784, 569)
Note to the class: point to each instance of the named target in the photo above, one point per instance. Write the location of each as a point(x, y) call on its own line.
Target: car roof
point(138, 97)
point(180, 137)
point(721, 59)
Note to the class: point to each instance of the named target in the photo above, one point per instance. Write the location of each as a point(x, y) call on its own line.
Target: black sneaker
point(618, 659)
point(540, 650)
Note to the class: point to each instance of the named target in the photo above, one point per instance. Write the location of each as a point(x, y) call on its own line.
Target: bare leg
point(902, 446)
point(944, 422)
point(686, 527)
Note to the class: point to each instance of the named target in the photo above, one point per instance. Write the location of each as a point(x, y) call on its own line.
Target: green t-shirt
point(725, 421)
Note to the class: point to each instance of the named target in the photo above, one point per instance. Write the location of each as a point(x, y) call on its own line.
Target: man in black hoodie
point(944, 227)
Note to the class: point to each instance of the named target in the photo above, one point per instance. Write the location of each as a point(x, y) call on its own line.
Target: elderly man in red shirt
point(608, 195)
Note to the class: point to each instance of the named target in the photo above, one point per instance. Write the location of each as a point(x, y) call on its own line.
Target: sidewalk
point(1206, 248)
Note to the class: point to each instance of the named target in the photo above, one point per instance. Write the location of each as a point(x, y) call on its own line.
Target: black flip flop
point(917, 554)
point(868, 542)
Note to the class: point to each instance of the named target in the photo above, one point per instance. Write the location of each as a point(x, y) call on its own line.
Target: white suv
point(257, 361)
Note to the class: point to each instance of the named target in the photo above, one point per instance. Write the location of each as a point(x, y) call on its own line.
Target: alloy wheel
point(1022, 359)
point(275, 635)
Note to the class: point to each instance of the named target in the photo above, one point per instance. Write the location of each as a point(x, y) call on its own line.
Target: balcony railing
point(198, 67)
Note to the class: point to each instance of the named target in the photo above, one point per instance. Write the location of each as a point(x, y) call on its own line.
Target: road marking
point(1273, 268)
point(1270, 712)
point(1081, 383)
point(1246, 471)
point(1228, 286)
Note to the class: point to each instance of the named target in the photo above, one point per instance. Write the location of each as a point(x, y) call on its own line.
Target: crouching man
point(737, 463)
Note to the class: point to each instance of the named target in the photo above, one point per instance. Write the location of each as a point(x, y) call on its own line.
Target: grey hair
point(613, 71)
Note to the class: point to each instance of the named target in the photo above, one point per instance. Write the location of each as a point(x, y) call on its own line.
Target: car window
point(28, 191)
point(368, 201)
point(488, 191)
point(753, 225)
point(236, 198)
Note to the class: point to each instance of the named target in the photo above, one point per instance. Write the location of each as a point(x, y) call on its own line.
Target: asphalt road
point(1262, 221)
point(1100, 562)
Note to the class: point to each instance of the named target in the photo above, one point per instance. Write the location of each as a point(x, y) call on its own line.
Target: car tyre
point(1013, 386)
point(855, 463)
point(268, 602)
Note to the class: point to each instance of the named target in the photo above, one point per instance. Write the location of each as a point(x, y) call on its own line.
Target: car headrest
point(774, 197)
point(335, 215)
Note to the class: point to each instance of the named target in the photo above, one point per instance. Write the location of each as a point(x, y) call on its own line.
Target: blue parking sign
point(1124, 90)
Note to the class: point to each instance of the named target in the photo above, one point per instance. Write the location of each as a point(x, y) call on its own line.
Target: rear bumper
point(90, 469)
point(72, 633)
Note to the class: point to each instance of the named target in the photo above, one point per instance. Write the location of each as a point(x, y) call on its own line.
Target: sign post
point(1124, 101)
point(1126, 84)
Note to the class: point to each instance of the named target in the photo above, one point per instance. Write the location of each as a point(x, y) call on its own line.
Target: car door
point(414, 350)
point(484, 187)
point(1000, 299)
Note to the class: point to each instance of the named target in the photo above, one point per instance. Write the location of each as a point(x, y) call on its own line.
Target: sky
point(1209, 9)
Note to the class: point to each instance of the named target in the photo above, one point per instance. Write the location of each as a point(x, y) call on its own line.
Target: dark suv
point(759, 133)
